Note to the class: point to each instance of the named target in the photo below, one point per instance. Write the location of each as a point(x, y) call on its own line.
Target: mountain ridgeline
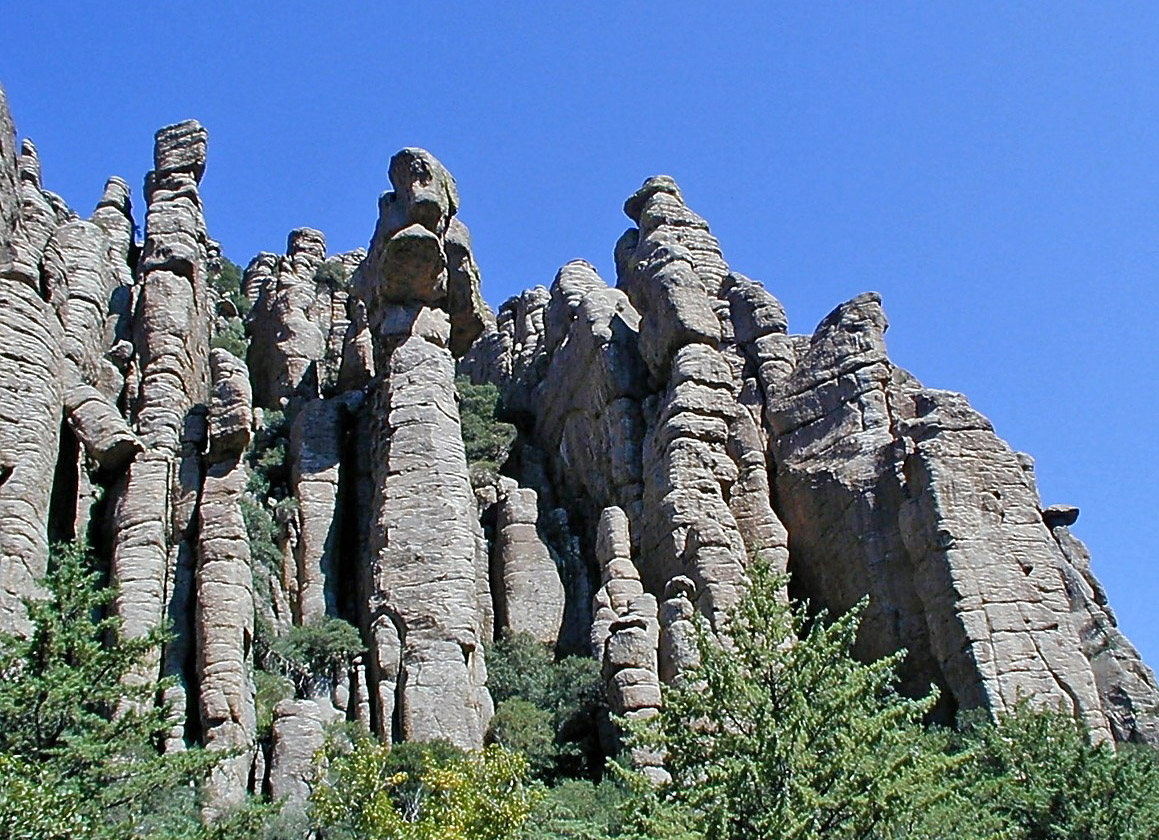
point(338, 479)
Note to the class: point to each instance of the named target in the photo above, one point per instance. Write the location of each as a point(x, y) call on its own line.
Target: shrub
point(78, 756)
point(331, 273)
point(232, 337)
point(270, 689)
point(227, 281)
point(567, 696)
point(423, 793)
point(525, 728)
point(486, 439)
point(315, 653)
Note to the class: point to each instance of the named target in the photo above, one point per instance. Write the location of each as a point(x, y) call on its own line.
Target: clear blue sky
point(990, 168)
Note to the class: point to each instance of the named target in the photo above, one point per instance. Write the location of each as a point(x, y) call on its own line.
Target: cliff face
point(670, 432)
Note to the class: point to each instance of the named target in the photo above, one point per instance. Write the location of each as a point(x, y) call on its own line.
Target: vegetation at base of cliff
point(79, 724)
point(781, 734)
point(486, 439)
point(423, 792)
point(548, 710)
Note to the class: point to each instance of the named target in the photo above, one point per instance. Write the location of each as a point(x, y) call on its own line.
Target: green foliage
point(1035, 775)
point(269, 690)
point(78, 722)
point(519, 665)
point(783, 734)
point(314, 652)
point(268, 487)
point(525, 728)
point(227, 282)
point(331, 273)
point(580, 809)
point(232, 337)
point(549, 709)
point(263, 535)
point(425, 792)
point(486, 438)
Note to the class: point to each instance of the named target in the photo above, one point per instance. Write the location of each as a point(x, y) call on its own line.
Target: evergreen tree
point(1037, 775)
point(780, 733)
point(79, 726)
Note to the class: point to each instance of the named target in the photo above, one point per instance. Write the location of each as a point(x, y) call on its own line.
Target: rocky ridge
point(670, 432)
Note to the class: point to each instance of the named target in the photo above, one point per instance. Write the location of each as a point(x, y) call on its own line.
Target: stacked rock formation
point(626, 633)
point(422, 579)
point(224, 615)
point(671, 432)
point(532, 598)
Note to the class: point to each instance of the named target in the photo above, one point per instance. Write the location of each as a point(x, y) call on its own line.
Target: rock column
point(626, 633)
point(531, 597)
point(155, 514)
point(31, 398)
point(423, 611)
point(225, 606)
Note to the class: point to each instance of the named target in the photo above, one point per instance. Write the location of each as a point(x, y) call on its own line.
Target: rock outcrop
point(272, 462)
point(421, 579)
point(224, 590)
point(531, 596)
point(626, 633)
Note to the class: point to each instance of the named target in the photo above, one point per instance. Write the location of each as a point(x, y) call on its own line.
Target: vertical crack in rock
point(1127, 687)
point(224, 589)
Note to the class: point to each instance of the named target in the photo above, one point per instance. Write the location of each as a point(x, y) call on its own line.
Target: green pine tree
point(78, 741)
point(781, 733)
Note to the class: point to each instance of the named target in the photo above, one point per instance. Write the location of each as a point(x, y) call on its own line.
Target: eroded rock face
point(960, 568)
point(299, 319)
point(671, 431)
point(1126, 685)
point(224, 591)
point(422, 581)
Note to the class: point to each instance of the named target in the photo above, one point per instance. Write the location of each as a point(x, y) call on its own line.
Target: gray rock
point(316, 440)
point(225, 627)
point(960, 569)
point(298, 734)
point(289, 324)
point(422, 579)
point(531, 598)
point(106, 437)
point(155, 516)
point(1057, 515)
